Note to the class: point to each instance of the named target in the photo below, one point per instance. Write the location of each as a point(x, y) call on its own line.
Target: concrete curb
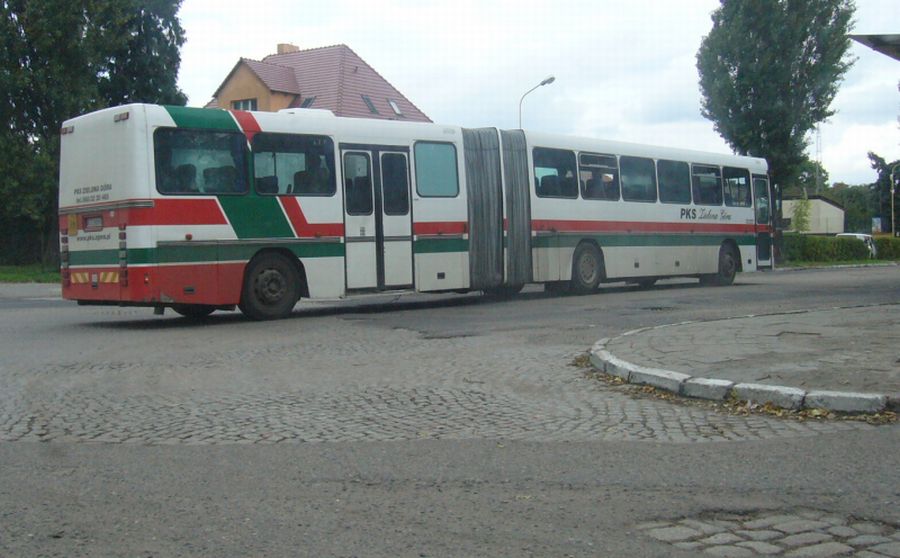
point(715, 389)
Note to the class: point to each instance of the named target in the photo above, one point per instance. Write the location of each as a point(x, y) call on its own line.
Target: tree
point(800, 218)
point(811, 177)
point(859, 206)
point(768, 73)
point(882, 189)
point(58, 59)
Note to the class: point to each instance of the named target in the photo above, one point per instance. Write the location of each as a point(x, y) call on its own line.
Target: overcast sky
point(624, 70)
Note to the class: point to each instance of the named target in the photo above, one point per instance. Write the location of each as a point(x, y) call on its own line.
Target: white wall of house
point(824, 218)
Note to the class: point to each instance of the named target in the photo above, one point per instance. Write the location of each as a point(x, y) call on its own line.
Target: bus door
point(764, 229)
point(377, 217)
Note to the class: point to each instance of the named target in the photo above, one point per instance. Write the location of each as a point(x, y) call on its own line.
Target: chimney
point(285, 48)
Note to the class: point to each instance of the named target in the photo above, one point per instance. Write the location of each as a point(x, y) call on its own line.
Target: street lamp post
point(893, 190)
point(547, 81)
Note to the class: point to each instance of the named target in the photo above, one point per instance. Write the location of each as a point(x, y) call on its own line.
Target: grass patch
point(32, 273)
point(836, 263)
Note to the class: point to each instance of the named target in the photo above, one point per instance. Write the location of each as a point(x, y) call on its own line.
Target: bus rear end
point(103, 187)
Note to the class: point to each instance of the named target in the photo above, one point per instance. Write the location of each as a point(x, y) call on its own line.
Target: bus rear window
point(197, 162)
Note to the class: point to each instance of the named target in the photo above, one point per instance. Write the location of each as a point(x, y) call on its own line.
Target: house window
point(395, 107)
point(307, 102)
point(369, 104)
point(244, 104)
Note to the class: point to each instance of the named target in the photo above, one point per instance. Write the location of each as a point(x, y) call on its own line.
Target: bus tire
point(728, 265)
point(194, 311)
point(587, 268)
point(271, 287)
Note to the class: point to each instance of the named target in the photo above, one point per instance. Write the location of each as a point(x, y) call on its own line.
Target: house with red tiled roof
point(333, 78)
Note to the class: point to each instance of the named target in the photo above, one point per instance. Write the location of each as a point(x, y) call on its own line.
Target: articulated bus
point(205, 209)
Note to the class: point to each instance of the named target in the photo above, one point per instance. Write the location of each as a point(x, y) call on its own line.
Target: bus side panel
point(440, 232)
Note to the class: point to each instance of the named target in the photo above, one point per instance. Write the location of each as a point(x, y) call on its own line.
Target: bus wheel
point(271, 287)
point(587, 268)
point(194, 311)
point(727, 269)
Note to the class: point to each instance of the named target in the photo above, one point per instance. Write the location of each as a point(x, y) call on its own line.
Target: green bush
point(792, 246)
point(805, 248)
point(888, 248)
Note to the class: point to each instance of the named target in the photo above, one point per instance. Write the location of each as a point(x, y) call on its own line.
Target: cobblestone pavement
point(505, 385)
point(801, 533)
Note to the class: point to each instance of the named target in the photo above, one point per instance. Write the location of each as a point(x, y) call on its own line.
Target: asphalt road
point(409, 426)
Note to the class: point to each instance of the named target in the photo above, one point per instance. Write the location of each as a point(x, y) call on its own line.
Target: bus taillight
point(123, 256)
point(64, 259)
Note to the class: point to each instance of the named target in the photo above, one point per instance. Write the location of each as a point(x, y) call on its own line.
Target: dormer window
point(244, 104)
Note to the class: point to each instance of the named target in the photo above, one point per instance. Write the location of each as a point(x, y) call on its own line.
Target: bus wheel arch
point(588, 267)
point(273, 282)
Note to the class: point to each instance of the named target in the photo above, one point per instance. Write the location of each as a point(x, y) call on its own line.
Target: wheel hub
point(271, 286)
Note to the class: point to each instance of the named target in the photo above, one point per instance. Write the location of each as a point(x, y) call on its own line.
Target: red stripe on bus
point(636, 226)
point(440, 227)
point(302, 227)
point(171, 211)
point(247, 122)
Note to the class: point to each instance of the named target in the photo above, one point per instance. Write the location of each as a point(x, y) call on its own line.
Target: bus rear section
point(103, 185)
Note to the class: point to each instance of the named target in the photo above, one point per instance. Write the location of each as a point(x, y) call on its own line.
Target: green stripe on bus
point(256, 216)
point(213, 119)
point(202, 253)
point(618, 240)
point(440, 245)
point(94, 257)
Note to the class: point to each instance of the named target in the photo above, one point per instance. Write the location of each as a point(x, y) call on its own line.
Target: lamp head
point(548, 80)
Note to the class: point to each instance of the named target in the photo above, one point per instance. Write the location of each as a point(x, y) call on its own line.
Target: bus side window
point(674, 181)
point(706, 183)
point(737, 187)
point(638, 179)
point(554, 172)
point(296, 164)
point(184, 158)
point(599, 177)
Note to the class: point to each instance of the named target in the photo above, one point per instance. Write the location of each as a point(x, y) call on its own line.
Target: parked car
point(866, 238)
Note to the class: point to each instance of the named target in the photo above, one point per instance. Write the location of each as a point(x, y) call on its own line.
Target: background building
point(333, 78)
point(825, 216)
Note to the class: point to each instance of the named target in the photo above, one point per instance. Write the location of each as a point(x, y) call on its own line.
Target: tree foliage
point(859, 203)
point(59, 59)
point(882, 189)
point(800, 218)
point(811, 177)
point(768, 73)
